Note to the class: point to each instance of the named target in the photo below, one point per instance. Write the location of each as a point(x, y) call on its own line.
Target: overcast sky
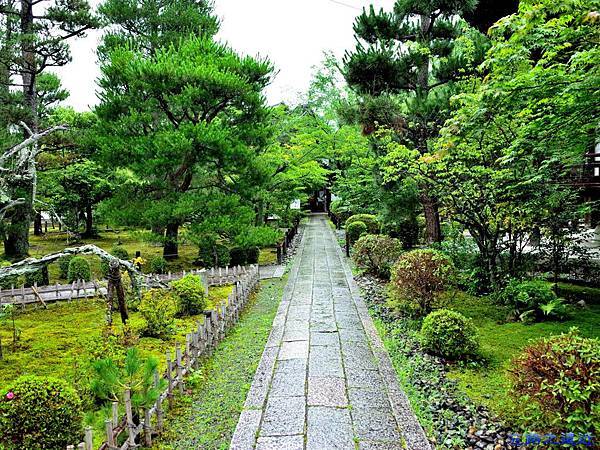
point(292, 33)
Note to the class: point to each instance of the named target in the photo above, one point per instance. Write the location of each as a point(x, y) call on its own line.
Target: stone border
point(407, 421)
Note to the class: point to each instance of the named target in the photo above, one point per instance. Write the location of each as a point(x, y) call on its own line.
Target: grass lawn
point(61, 341)
point(207, 418)
point(502, 341)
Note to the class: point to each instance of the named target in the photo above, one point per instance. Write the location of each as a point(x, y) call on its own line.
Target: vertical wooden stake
point(147, 428)
point(169, 380)
point(179, 367)
point(129, 414)
point(89, 439)
point(115, 414)
point(110, 435)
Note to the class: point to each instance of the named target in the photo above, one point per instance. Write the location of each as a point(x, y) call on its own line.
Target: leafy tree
point(416, 51)
point(505, 158)
point(187, 118)
point(36, 35)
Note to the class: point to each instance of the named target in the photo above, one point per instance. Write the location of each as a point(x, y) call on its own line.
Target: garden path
point(325, 381)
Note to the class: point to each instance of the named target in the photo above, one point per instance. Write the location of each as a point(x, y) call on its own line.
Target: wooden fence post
point(110, 435)
point(147, 428)
point(89, 439)
point(115, 414)
point(129, 415)
point(159, 411)
point(179, 367)
point(169, 380)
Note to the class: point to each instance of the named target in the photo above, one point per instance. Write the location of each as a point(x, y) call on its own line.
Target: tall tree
point(36, 36)
point(418, 51)
point(186, 118)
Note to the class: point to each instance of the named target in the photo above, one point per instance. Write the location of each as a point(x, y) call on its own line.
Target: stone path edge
point(412, 432)
point(249, 422)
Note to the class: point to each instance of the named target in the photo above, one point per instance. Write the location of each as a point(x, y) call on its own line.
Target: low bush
point(376, 253)
point(239, 256)
point(79, 269)
point(532, 300)
point(253, 255)
point(355, 230)
point(40, 413)
point(213, 255)
point(191, 295)
point(449, 334)
point(574, 293)
point(63, 265)
point(404, 229)
point(40, 277)
point(340, 210)
point(418, 277)
point(158, 264)
point(373, 226)
point(556, 381)
point(120, 252)
point(158, 308)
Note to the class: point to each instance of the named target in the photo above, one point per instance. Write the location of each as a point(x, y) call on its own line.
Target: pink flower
point(10, 395)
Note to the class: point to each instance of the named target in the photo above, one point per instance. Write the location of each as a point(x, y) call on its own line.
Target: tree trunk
point(115, 288)
point(16, 239)
point(89, 221)
point(433, 231)
point(37, 224)
point(171, 247)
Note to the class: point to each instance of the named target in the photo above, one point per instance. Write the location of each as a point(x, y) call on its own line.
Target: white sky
point(293, 34)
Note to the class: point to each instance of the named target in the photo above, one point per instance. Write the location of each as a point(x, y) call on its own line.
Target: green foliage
point(449, 334)
point(120, 252)
point(40, 413)
point(355, 230)
point(40, 277)
point(158, 308)
point(341, 211)
point(532, 300)
point(557, 382)
point(63, 264)
point(373, 226)
point(574, 293)
point(135, 373)
point(418, 278)
point(376, 253)
point(258, 237)
point(242, 256)
point(191, 294)
point(213, 254)
point(253, 255)
point(158, 264)
point(79, 269)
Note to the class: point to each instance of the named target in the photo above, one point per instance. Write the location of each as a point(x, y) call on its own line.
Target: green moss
point(207, 418)
point(267, 256)
point(501, 341)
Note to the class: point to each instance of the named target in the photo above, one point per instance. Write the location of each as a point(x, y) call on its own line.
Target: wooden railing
point(198, 344)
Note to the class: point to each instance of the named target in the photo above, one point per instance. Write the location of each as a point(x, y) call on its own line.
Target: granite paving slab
point(325, 381)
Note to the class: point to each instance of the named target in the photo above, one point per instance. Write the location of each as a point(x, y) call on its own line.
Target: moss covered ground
point(206, 418)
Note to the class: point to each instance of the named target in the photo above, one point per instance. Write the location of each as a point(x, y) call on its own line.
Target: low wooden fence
point(88, 289)
point(135, 428)
point(284, 246)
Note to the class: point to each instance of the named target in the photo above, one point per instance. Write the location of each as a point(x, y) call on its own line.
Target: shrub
point(120, 252)
point(369, 220)
point(355, 230)
point(418, 277)
point(158, 264)
point(253, 255)
point(558, 379)
point(79, 269)
point(190, 292)
point(63, 265)
point(158, 308)
point(40, 413)
point(239, 256)
point(341, 211)
point(40, 277)
point(532, 300)
point(449, 334)
point(213, 255)
point(376, 253)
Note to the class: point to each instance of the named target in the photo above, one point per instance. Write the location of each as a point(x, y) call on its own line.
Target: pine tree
point(413, 52)
point(35, 37)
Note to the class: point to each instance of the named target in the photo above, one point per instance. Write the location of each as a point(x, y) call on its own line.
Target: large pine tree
point(414, 54)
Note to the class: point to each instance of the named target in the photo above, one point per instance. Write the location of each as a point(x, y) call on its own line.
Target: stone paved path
point(325, 381)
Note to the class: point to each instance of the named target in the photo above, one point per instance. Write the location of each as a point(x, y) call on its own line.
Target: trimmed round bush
point(253, 255)
point(213, 255)
point(158, 264)
point(63, 265)
point(239, 256)
point(191, 294)
point(532, 300)
point(418, 277)
point(376, 253)
point(557, 379)
point(449, 334)
point(355, 230)
point(40, 277)
point(79, 269)
point(120, 252)
point(373, 226)
point(40, 413)
point(158, 308)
